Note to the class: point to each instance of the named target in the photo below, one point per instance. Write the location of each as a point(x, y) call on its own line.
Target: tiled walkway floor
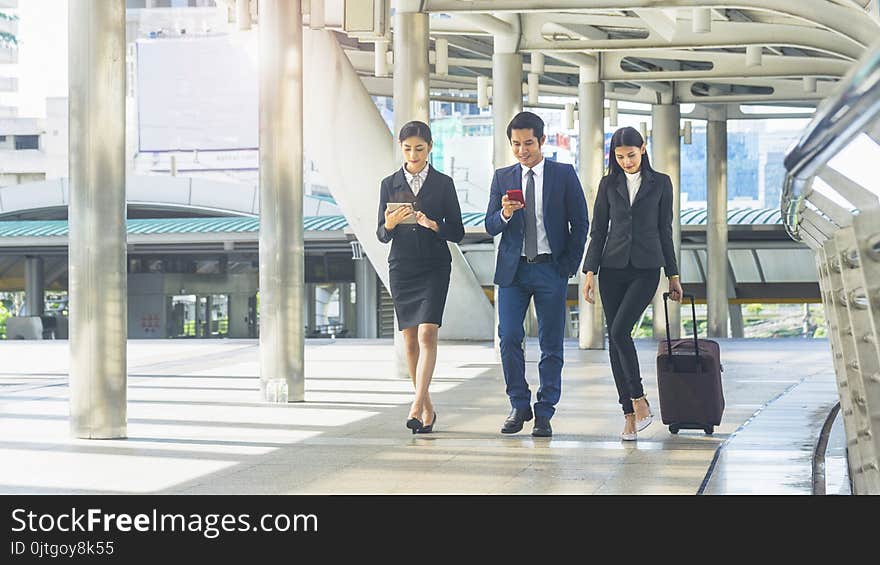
point(196, 425)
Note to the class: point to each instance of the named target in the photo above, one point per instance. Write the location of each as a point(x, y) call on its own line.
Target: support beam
point(666, 158)
point(737, 327)
point(507, 102)
point(701, 20)
point(238, 316)
point(98, 278)
point(591, 168)
point(346, 308)
point(366, 301)
point(411, 70)
point(411, 101)
point(282, 269)
point(753, 55)
point(660, 20)
point(846, 21)
point(716, 224)
point(34, 286)
point(441, 58)
point(243, 14)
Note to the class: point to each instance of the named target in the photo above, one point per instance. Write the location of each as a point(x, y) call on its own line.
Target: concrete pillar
point(411, 68)
point(346, 309)
point(366, 301)
point(507, 102)
point(411, 99)
point(716, 224)
point(243, 14)
point(282, 267)
point(238, 313)
point(591, 95)
point(34, 286)
point(737, 327)
point(311, 308)
point(209, 319)
point(666, 158)
point(97, 275)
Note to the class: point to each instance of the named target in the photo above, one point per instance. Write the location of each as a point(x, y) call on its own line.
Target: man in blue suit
point(542, 244)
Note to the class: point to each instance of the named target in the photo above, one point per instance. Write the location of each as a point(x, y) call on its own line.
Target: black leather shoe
point(542, 427)
point(515, 420)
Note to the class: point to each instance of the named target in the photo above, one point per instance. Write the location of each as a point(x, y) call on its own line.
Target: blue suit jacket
point(565, 219)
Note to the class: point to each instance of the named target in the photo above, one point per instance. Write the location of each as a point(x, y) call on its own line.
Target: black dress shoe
point(542, 427)
point(515, 420)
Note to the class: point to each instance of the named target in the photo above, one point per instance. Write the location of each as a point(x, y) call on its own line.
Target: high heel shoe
point(646, 421)
point(628, 436)
point(414, 424)
point(430, 427)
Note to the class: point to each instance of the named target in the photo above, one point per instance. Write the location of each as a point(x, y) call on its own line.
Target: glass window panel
point(855, 160)
point(828, 192)
point(788, 265)
point(701, 253)
point(690, 271)
point(745, 270)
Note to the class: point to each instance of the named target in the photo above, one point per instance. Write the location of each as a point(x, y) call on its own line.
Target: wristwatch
point(673, 277)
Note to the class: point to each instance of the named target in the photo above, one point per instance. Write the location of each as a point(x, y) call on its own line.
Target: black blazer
point(438, 200)
point(640, 234)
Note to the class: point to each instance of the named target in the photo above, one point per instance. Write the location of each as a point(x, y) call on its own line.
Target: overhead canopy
point(704, 51)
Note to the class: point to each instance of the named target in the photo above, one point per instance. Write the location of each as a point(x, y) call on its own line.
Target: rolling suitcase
point(689, 379)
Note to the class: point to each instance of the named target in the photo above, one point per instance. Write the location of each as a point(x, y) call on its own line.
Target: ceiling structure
point(766, 52)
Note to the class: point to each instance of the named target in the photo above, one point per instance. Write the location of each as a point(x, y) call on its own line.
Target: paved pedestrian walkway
point(196, 425)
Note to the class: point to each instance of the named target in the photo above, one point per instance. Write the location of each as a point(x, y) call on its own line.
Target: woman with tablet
point(418, 214)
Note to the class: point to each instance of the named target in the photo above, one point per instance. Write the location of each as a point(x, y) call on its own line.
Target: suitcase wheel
point(709, 430)
point(673, 429)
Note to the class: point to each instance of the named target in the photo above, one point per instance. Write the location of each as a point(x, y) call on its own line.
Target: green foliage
point(4, 314)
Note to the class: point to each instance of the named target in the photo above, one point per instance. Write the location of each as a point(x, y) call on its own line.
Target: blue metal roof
point(237, 224)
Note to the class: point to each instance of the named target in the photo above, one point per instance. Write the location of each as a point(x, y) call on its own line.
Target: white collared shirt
point(543, 241)
point(633, 183)
point(423, 174)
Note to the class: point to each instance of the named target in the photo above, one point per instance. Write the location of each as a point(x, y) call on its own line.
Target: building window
point(27, 141)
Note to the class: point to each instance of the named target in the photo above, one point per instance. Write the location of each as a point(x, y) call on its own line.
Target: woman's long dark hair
point(626, 137)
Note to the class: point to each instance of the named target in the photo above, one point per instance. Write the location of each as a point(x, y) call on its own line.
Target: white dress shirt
point(633, 182)
point(422, 175)
point(543, 242)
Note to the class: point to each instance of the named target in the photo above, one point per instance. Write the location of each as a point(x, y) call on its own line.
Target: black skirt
point(419, 292)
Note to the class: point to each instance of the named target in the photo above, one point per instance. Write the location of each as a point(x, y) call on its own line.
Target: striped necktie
point(416, 184)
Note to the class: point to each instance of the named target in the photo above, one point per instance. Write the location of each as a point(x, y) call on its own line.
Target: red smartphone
point(516, 194)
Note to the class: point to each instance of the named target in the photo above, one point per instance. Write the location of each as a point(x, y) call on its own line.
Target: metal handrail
point(855, 105)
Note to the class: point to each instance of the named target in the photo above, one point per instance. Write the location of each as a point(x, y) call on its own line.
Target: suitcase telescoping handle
point(693, 313)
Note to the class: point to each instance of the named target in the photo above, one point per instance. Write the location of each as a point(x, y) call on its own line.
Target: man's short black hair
point(527, 120)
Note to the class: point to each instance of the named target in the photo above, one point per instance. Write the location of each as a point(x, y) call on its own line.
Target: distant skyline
point(42, 56)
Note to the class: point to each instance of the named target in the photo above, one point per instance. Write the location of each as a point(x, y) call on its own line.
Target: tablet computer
point(392, 206)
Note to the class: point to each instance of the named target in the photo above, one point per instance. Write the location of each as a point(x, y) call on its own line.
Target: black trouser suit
point(625, 295)
point(629, 243)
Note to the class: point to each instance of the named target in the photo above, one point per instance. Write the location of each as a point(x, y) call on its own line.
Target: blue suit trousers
point(542, 282)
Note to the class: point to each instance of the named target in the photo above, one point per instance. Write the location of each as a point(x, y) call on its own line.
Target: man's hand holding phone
point(512, 201)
